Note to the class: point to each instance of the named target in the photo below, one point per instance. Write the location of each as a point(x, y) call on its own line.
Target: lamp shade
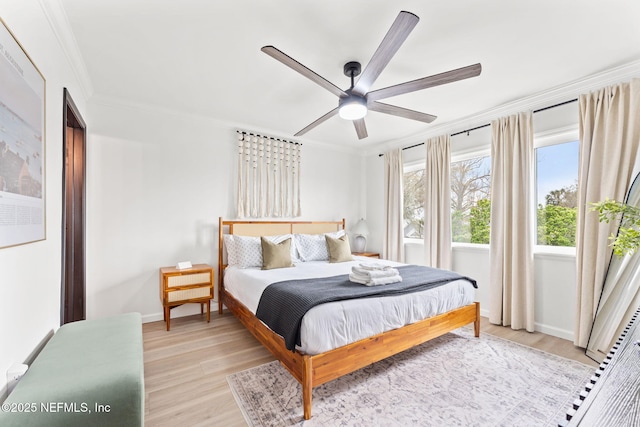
point(361, 228)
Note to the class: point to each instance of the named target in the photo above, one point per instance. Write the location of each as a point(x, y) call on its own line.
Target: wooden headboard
point(268, 228)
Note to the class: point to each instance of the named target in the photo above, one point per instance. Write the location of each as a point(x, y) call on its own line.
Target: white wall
point(157, 184)
point(30, 274)
point(375, 202)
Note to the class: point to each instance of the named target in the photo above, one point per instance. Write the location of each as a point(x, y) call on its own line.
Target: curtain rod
point(243, 133)
point(489, 124)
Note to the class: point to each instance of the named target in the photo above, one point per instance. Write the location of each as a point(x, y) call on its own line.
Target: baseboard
point(181, 311)
point(36, 351)
point(545, 329)
point(155, 317)
point(556, 332)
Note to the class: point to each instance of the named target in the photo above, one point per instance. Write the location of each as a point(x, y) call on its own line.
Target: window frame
point(459, 157)
point(412, 166)
point(541, 140)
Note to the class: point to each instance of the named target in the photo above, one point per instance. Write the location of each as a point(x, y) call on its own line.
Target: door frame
point(73, 288)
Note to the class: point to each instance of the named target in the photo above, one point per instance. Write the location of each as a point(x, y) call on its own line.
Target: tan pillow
point(339, 249)
point(276, 255)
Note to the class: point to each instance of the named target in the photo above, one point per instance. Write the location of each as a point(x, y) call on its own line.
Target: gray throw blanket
point(283, 304)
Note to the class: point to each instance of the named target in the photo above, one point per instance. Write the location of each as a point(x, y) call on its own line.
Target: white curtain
point(394, 224)
point(437, 203)
point(268, 177)
point(511, 285)
point(609, 141)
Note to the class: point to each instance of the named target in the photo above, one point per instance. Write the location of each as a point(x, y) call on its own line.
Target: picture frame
point(22, 144)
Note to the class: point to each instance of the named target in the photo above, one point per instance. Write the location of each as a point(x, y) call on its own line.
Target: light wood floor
point(185, 369)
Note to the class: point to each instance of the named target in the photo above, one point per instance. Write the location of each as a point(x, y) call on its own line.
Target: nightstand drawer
point(188, 279)
point(187, 294)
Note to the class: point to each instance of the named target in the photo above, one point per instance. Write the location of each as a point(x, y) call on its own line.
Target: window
point(413, 193)
point(556, 197)
point(470, 200)
point(557, 194)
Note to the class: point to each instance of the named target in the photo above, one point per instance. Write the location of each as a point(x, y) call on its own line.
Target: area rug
point(453, 380)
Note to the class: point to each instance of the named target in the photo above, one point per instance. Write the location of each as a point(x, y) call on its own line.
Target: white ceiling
point(203, 57)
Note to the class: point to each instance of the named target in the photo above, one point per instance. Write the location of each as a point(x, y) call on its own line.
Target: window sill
point(413, 241)
point(539, 251)
point(472, 246)
point(554, 252)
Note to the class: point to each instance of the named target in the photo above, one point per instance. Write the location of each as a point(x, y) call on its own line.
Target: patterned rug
point(453, 380)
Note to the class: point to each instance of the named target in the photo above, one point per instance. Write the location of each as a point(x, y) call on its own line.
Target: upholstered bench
point(90, 373)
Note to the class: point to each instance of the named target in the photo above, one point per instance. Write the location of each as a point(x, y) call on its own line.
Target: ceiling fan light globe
point(353, 110)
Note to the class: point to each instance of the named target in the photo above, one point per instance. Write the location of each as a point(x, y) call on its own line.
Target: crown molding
point(536, 101)
point(119, 103)
point(57, 17)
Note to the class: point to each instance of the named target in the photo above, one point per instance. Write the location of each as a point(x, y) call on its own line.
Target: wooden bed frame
point(314, 370)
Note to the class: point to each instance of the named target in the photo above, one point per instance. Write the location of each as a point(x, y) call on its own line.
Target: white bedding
point(335, 324)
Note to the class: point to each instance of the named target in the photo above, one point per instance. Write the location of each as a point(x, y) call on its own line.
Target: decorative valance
point(268, 176)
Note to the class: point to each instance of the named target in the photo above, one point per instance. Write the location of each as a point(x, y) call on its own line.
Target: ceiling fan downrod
point(352, 69)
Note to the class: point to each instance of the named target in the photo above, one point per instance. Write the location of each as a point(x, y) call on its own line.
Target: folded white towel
point(375, 273)
point(356, 278)
point(359, 277)
point(374, 266)
point(385, 280)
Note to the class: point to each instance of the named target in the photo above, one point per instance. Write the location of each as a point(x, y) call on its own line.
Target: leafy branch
point(628, 239)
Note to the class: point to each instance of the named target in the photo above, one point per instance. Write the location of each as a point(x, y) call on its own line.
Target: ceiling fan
point(354, 102)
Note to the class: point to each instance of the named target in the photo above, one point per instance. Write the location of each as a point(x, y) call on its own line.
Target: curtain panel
point(511, 283)
point(437, 203)
point(609, 141)
point(268, 177)
point(393, 247)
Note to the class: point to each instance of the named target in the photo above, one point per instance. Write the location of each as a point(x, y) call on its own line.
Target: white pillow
point(246, 251)
point(232, 258)
point(313, 247)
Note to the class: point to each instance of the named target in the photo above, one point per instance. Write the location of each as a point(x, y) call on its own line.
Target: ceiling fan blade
point(317, 122)
point(401, 112)
point(426, 82)
point(361, 128)
point(397, 34)
point(295, 65)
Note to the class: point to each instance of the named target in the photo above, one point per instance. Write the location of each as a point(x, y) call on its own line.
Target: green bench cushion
point(91, 373)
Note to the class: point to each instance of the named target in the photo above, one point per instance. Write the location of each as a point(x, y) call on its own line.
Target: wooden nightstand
point(183, 286)
point(369, 254)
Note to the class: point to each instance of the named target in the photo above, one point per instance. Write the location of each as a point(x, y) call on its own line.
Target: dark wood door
point(73, 303)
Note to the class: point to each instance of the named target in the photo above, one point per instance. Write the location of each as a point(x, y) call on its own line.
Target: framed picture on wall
point(22, 144)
